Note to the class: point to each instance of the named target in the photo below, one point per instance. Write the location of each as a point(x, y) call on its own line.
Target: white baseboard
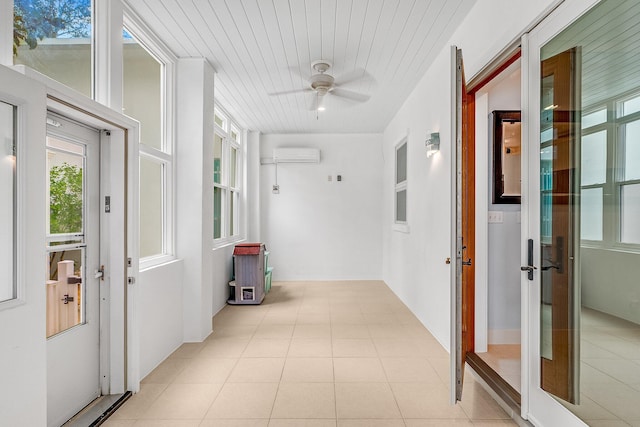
point(504, 336)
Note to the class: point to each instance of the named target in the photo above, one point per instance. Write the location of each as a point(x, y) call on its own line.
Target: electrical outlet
point(496, 217)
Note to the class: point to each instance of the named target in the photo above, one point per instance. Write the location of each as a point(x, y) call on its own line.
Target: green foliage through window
point(65, 191)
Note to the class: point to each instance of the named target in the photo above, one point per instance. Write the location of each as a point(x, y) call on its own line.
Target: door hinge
point(131, 280)
point(99, 273)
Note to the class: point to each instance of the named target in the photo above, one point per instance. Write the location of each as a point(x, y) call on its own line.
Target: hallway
point(313, 354)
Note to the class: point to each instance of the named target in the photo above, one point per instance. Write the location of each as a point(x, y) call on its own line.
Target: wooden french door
point(559, 224)
point(465, 225)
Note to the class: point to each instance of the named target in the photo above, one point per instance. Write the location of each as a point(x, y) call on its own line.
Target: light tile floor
point(314, 354)
point(609, 369)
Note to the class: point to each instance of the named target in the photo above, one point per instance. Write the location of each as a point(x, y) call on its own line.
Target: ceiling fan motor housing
point(322, 83)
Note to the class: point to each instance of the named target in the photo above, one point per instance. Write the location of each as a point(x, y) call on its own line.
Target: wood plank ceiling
point(380, 49)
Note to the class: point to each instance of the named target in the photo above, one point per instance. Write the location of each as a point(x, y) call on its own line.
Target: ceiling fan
point(323, 83)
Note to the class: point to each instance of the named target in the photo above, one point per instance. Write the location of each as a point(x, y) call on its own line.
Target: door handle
point(468, 261)
point(530, 267)
point(99, 273)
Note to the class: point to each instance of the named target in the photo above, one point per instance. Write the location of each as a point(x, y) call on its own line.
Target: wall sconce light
point(433, 144)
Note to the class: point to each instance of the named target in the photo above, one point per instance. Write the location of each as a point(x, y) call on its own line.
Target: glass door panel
point(65, 235)
point(8, 289)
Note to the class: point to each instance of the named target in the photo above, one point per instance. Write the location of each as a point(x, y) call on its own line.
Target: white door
point(73, 264)
point(551, 223)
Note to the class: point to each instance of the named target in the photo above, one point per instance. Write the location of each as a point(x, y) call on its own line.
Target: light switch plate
point(496, 217)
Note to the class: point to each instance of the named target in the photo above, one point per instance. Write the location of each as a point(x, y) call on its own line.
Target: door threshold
point(498, 384)
point(97, 412)
point(501, 391)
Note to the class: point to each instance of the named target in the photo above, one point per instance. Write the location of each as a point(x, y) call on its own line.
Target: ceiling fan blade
point(359, 75)
point(288, 92)
point(349, 94)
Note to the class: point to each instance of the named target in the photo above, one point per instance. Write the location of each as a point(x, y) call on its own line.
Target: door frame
point(119, 336)
point(538, 406)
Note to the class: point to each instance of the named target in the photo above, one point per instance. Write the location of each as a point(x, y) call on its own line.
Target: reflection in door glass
point(8, 205)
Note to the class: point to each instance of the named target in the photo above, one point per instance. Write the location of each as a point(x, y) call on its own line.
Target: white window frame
point(225, 131)
point(401, 226)
point(165, 156)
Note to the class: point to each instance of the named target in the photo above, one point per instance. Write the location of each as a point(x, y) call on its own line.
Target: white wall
point(317, 229)
point(503, 238)
point(160, 316)
point(194, 193)
point(414, 263)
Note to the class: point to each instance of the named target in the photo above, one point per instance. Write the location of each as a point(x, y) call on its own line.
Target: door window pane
point(65, 290)
point(630, 213)
point(591, 214)
point(65, 165)
point(54, 38)
point(151, 207)
point(594, 158)
point(142, 92)
point(8, 205)
point(631, 150)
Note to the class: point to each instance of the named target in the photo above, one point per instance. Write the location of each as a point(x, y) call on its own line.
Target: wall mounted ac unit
point(296, 155)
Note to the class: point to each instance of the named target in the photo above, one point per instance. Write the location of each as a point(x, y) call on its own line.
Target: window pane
point(401, 206)
point(591, 214)
point(631, 150)
point(595, 118)
point(594, 158)
point(631, 106)
point(8, 196)
point(219, 120)
point(54, 38)
point(629, 213)
point(151, 207)
point(232, 214)
point(65, 164)
point(142, 92)
point(217, 159)
point(233, 164)
point(218, 200)
point(401, 163)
